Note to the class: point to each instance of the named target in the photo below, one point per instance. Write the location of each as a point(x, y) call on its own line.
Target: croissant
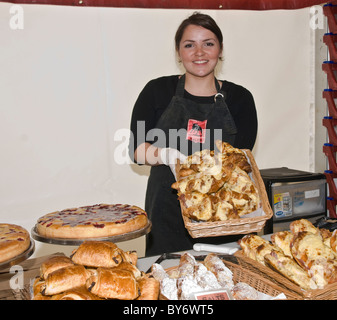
point(130, 267)
point(97, 254)
point(113, 283)
point(149, 288)
point(54, 263)
point(65, 279)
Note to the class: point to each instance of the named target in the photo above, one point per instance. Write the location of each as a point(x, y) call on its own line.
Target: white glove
point(169, 157)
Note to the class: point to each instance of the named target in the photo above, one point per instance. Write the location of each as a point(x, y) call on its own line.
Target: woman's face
point(199, 51)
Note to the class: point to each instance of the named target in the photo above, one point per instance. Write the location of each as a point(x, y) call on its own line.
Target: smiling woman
point(199, 51)
point(199, 46)
point(198, 106)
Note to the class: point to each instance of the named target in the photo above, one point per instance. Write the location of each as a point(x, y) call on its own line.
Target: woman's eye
point(209, 44)
point(189, 45)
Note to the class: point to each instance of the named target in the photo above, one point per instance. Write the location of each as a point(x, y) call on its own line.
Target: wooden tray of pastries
point(222, 193)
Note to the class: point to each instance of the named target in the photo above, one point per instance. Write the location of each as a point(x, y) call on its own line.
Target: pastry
point(54, 263)
point(113, 283)
point(149, 288)
point(216, 186)
point(243, 291)
point(286, 266)
point(14, 240)
point(282, 240)
point(101, 220)
point(65, 279)
point(98, 254)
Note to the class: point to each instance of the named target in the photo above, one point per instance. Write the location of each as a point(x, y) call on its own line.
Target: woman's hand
point(153, 156)
point(169, 157)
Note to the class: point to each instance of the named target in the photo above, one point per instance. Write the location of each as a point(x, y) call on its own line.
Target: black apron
point(189, 127)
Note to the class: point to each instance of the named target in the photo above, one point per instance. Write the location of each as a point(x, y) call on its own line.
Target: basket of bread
point(221, 192)
point(302, 259)
point(96, 270)
point(214, 277)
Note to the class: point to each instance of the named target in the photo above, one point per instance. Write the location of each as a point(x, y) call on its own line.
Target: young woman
point(175, 116)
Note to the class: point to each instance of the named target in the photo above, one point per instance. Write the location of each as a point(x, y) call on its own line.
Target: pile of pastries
point(305, 254)
point(192, 277)
point(215, 185)
point(95, 270)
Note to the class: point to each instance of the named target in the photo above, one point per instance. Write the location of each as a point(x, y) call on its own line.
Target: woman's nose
point(199, 51)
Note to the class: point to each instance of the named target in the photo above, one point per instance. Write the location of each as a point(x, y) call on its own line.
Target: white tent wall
point(70, 77)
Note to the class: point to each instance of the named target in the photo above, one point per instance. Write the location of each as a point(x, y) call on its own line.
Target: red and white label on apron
point(196, 131)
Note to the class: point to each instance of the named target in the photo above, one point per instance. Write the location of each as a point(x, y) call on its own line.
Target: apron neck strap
point(181, 86)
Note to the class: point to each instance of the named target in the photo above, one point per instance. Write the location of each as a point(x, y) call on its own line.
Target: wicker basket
point(243, 272)
point(328, 293)
point(234, 226)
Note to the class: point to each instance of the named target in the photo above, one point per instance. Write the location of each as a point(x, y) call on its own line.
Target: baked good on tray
point(14, 240)
point(94, 221)
point(216, 185)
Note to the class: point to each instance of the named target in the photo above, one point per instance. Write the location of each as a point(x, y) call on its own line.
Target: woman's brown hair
point(201, 20)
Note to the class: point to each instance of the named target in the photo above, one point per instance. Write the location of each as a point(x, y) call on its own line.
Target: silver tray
point(19, 258)
point(74, 242)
